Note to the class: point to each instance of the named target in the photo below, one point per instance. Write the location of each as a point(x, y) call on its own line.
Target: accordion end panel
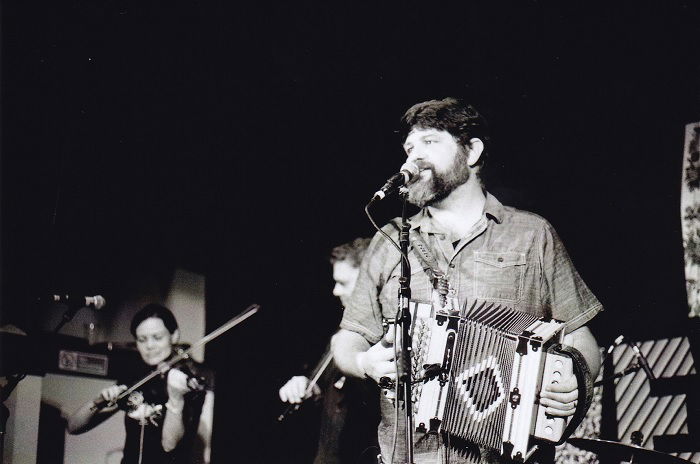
point(526, 419)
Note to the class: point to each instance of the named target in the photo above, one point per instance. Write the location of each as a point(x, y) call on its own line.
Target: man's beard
point(440, 184)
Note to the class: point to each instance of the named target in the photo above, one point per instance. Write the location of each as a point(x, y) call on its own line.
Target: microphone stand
point(15, 379)
point(403, 385)
point(68, 315)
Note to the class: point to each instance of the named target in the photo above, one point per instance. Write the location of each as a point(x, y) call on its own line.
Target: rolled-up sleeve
point(363, 313)
point(563, 290)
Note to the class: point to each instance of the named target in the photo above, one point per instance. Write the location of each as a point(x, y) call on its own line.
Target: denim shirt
point(510, 256)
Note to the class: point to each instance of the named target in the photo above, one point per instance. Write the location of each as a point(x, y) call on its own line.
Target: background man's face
point(442, 161)
point(345, 275)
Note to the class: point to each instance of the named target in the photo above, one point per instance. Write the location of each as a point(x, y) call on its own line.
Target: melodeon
point(477, 375)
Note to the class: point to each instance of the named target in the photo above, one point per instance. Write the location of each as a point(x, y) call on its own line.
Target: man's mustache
point(424, 165)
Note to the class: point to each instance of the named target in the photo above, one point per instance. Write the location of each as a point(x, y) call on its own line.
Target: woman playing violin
point(163, 415)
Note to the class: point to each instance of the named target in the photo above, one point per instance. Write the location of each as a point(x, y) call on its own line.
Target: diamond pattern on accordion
point(481, 402)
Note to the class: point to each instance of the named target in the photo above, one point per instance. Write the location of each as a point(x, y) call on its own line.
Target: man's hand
point(560, 399)
point(378, 360)
point(294, 391)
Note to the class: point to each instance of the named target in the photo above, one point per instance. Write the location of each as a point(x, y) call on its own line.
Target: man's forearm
point(345, 346)
point(583, 340)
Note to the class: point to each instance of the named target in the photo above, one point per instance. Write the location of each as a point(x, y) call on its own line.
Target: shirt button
point(500, 259)
point(452, 265)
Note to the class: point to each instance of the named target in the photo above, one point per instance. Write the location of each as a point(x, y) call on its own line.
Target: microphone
point(406, 174)
point(97, 302)
point(643, 361)
point(615, 343)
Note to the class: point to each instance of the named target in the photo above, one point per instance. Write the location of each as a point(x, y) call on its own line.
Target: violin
point(181, 360)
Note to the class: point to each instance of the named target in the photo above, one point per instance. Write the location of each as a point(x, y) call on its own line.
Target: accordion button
point(558, 363)
point(556, 375)
point(548, 430)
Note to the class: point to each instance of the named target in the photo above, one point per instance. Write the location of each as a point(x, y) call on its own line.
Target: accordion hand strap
point(585, 387)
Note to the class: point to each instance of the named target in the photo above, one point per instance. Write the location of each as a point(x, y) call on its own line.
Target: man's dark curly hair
point(353, 251)
point(460, 119)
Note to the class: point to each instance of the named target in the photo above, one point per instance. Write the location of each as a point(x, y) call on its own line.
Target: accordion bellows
point(477, 375)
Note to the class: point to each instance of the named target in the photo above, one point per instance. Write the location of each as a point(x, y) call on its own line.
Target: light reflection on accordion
point(477, 375)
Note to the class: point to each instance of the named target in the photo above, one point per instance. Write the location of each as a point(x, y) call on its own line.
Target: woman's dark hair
point(154, 310)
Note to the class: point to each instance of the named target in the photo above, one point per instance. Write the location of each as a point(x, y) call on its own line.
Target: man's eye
point(141, 340)
point(428, 142)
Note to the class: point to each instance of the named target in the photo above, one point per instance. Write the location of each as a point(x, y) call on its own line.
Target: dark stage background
point(241, 141)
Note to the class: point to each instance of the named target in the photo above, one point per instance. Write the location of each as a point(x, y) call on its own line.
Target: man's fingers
point(560, 397)
point(287, 396)
point(379, 353)
point(384, 369)
point(564, 406)
point(557, 412)
point(294, 390)
point(568, 384)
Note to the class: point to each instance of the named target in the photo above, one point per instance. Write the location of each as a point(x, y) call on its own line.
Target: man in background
point(345, 416)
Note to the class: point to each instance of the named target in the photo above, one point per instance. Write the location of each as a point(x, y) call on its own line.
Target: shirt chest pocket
point(499, 275)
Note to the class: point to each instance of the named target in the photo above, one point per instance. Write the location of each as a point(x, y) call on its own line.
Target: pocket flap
point(500, 258)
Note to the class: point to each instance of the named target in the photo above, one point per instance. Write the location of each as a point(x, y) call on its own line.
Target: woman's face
point(154, 341)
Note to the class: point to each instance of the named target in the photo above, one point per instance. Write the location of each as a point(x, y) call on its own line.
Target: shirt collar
point(494, 208)
point(424, 221)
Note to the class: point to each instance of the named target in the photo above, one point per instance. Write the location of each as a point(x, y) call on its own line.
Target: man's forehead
point(344, 267)
point(417, 132)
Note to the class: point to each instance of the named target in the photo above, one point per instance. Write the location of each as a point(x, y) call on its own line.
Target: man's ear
point(175, 337)
point(474, 150)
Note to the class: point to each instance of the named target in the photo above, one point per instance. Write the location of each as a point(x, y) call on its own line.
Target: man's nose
point(337, 291)
point(416, 155)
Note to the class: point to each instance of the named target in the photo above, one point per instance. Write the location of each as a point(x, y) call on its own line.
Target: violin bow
point(249, 311)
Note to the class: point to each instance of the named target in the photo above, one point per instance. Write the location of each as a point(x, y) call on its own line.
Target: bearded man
point(486, 251)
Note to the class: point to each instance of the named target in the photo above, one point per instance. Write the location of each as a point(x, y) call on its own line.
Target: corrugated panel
point(652, 415)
